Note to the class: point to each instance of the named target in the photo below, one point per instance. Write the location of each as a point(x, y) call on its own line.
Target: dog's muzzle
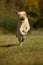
point(21, 19)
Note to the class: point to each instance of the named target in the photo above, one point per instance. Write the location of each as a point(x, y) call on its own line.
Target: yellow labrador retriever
point(23, 26)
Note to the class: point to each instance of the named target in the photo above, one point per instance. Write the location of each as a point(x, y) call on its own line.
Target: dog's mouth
point(21, 19)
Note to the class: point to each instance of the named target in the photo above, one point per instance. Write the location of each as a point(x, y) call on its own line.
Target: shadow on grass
point(9, 45)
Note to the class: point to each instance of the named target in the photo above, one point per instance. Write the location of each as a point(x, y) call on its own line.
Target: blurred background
point(8, 17)
point(31, 53)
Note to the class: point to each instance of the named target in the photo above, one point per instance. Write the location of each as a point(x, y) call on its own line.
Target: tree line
point(34, 9)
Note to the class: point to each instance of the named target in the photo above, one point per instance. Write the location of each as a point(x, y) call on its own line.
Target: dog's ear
point(17, 12)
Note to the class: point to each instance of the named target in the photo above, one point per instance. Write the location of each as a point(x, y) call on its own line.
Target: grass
point(31, 53)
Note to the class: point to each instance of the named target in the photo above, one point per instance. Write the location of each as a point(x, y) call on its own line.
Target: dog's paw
point(21, 44)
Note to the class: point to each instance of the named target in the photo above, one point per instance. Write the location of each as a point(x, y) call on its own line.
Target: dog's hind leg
point(20, 41)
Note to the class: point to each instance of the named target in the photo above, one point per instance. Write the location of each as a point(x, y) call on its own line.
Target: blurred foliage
point(8, 8)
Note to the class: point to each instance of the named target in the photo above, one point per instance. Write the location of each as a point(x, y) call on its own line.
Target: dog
point(23, 26)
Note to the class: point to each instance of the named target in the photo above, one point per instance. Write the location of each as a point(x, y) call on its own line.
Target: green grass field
point(31, 53)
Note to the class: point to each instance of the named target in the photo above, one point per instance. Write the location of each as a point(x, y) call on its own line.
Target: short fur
point(22, 27)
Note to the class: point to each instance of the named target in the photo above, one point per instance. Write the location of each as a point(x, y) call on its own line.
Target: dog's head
point(21, 15)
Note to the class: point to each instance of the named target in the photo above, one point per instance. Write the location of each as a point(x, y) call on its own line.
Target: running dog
point(23, 26)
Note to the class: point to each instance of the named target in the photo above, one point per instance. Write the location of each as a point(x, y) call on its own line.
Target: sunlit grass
point(31, 53)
